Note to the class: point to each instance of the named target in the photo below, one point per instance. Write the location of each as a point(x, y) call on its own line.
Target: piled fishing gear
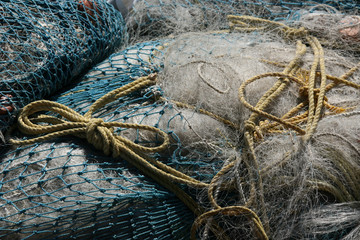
point(247, 132)
point(46, 45)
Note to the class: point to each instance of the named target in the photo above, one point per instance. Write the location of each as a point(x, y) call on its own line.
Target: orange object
point(89, 7)
point(350, 28)
point(4, 106)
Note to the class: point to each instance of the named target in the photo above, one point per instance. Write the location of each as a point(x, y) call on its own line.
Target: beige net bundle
point(278, 106)
point(292, 163)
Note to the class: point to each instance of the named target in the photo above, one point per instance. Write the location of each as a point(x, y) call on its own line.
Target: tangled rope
point(314, 99)
point(102, 136)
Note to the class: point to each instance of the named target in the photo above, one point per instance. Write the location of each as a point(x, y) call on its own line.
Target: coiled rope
point(102, 136)
point(314, 99)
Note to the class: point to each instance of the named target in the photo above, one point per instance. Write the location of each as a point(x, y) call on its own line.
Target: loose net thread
point(161, 18)
point(101, 134)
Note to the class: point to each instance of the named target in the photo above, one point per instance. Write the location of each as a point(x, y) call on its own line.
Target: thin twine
point(102, 136)
point(202, 77)
point(315, 101)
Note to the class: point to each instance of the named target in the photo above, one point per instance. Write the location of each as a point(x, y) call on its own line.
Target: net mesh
point(79, 194)
point(64, 188)
point(45, 45)
point(154, 18)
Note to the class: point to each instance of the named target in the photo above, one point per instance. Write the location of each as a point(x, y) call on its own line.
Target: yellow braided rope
point(250, 23)
point(230, 211)
point(101, 134)
point(203, 111)
point(316, 100)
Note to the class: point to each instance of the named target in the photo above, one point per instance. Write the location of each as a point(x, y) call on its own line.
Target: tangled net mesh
point(216, 120)
point(45, 45)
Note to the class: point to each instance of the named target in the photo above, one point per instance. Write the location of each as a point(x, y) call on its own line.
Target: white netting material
point(309, 189)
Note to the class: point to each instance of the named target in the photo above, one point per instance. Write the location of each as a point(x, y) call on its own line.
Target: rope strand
point(101, 134)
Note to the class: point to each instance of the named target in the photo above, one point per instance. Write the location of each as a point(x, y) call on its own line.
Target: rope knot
point(251, 127)
point(95, 134)
point(93, 123)
point(296, 32)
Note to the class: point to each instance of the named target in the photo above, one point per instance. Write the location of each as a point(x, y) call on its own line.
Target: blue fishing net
point(45, 45)
point(78, 193)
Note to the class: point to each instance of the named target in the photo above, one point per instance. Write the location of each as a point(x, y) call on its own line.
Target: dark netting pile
point(45, 45)
point(215, 120)
point(67, 190)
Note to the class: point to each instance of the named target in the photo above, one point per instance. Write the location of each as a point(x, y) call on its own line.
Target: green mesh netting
point(64, 189)
point(79, 193)
point(46, 44)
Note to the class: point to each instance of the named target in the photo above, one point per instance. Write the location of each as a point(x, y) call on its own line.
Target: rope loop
point(102, 136)
point(249, 126)
point(231, 211)
point(97, 132)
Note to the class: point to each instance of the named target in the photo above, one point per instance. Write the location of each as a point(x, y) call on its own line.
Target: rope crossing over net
point(314, 98)
point(101, 134)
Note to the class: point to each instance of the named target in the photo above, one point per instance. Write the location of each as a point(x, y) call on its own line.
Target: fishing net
point(45, 45)
point(241, 132)
point(157, 18)
point(67, 190)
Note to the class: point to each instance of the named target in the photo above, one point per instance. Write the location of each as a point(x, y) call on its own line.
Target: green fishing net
point(64, 188)
point(45, 45)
